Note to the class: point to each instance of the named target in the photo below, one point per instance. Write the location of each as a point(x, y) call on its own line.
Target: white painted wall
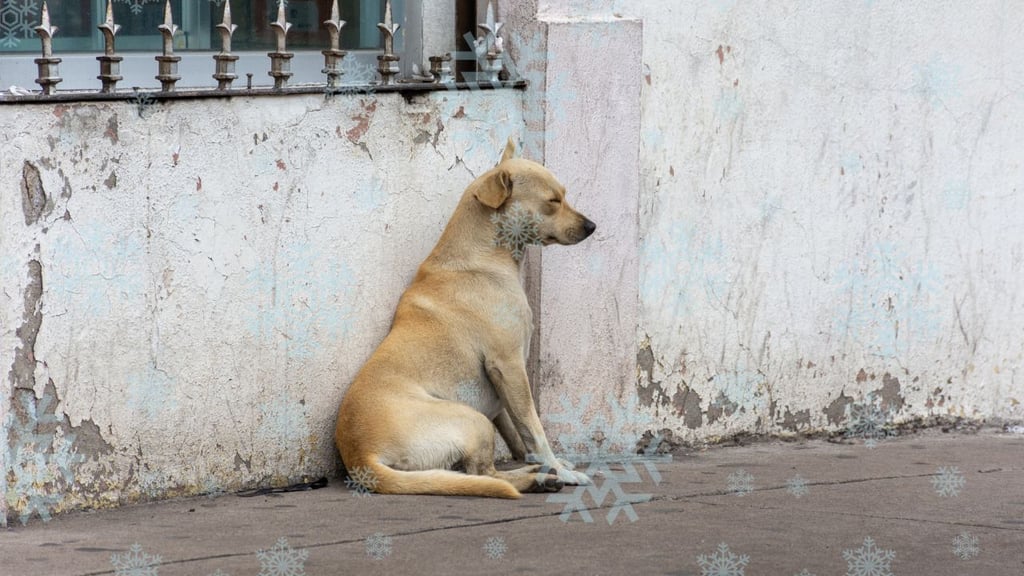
point(829, 213)
point(798, 206)
point(589, 296)
point(213, 274)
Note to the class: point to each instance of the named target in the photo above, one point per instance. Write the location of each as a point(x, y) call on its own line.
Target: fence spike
point(49, 67)
point(334, 55)
point(280, 59)
point(224, 73)
point(110, 63)
point(168, 62)
point(387, 63)
point(488, 51)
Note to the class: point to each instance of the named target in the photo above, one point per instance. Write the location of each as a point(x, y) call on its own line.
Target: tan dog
point(453, 366)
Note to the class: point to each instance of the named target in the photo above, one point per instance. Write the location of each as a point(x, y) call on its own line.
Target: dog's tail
point(387, 480)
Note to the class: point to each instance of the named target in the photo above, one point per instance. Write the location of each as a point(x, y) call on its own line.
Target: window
point(78, 41)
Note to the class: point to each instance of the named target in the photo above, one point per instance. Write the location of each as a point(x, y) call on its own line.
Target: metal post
point(334, 55)
point(225, 71)
point(387, 63)
point(110, 63)
point(49, 67)
point(168, 62)
point(280, 59)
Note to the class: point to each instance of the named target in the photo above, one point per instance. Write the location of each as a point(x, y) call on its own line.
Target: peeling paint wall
point(804, 212)
point(188, 288)
point(829, 211)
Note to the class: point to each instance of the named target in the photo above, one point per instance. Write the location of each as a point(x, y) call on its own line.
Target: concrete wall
point(186, 294)
point(589, 301)
point(800, 209)
point(829, 215)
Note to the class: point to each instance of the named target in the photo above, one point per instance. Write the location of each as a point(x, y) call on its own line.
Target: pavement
point(930, 503)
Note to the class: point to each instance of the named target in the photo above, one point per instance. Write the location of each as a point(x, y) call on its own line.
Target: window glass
point(196, 20)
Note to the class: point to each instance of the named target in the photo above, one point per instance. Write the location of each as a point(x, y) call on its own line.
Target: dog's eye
point(555, 200)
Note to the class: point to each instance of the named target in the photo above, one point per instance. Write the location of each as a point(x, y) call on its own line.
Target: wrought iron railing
point(487, 51)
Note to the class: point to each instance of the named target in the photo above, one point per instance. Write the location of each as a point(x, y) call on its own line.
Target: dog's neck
point(467, 242)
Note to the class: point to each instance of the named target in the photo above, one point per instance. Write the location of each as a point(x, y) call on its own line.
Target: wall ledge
point(407, 89)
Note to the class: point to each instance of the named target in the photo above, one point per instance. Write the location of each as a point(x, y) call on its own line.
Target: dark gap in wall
point(465, 21)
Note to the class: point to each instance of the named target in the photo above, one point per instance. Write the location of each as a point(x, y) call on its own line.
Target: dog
point(420, 416)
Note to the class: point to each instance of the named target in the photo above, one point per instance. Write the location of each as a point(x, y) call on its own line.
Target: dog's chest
point(480, 395)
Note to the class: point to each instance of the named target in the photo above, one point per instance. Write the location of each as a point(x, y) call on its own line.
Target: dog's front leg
point(508, 376)
point(507, 429)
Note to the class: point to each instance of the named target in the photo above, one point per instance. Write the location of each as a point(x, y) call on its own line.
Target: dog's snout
point(588, 227)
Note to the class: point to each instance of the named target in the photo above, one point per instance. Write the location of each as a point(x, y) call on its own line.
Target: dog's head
point(527, 196)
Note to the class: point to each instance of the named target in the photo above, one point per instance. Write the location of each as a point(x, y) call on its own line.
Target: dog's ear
point(495, 189)
point(510, 150)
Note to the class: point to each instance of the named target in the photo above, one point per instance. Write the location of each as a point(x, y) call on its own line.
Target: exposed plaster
point(838, 410)
point(22, 373)
point(34, 202)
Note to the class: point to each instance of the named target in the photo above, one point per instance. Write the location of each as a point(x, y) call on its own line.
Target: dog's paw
point(548, 483)
point(573, 478)
point(532, 458)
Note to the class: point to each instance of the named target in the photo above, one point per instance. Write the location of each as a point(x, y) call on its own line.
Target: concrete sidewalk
point(863, 511)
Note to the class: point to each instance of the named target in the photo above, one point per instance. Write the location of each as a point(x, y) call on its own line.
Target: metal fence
point(486, 50)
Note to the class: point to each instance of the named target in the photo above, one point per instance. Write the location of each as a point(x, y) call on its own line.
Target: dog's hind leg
point(478, 456)
point(531, 479)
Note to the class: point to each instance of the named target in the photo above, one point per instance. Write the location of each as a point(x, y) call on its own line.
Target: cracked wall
point(812, 212)
point(828, 202)
point(829, 213)
point(188, 288)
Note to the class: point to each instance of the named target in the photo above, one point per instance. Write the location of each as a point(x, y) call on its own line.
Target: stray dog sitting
point(453, 366)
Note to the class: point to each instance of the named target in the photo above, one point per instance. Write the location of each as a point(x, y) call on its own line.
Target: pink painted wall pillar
point(589, 299)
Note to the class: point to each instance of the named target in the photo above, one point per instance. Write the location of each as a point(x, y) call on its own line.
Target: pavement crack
point(347, 541)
